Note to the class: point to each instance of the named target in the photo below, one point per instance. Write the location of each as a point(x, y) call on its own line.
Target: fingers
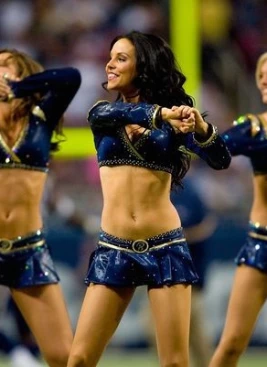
point(182, 111)
point(186, 119)
point(188, 126)
point(184, 125)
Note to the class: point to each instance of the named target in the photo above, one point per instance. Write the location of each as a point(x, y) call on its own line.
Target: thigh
point(171, 314)
point(200, 343)
point(101, 312)
point(247, 297)
point(45, 312)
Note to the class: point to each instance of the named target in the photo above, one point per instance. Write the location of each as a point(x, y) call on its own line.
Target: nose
point(110, 64)
point(264, 79)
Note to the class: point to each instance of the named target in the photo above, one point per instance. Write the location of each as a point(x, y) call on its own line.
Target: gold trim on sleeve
point(154, 116)
point(210, 140)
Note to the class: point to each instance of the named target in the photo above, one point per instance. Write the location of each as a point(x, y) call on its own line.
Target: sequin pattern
point(248, 137)
point(29, 266)
point(157, 148)
point(165, 266)
point(32, 149)
point(254, 252)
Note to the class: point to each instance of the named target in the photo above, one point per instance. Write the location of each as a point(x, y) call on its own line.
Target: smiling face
point(262, 81)
point(121, 68)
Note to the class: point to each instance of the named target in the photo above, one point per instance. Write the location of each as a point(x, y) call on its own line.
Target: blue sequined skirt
point(160, 260)
point(26, 261)
point(254, 252)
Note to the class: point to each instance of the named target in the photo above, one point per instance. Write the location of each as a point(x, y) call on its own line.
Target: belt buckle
point(5, 245)
point(140, 246)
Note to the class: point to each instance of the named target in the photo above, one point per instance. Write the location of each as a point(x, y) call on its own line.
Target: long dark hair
point(26, 66)
point(159, 81)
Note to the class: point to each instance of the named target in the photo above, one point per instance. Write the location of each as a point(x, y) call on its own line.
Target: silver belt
point(140, 246)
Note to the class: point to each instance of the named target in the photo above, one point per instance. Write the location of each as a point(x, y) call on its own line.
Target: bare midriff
point(259, 207)
point(137, 202)
point(20, 197)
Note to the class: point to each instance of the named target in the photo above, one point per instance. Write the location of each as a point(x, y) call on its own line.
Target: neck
point(132, 98)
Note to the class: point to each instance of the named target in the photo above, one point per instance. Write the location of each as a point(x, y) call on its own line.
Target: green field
point(133, 359)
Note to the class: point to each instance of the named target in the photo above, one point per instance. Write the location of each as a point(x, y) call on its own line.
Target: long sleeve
point(105, 116)
point(213, 151)
point(57, 88)
point(246, 137)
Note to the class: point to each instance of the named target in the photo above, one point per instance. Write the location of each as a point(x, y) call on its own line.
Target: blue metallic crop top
point(158, 148)
point(32, 148)
point(248, 137)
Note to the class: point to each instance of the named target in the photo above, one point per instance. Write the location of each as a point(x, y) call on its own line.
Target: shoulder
point(250, 119)
point(99, 103)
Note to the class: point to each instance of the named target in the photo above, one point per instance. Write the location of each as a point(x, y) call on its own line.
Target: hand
point(186, 125)
point(181, 118)
point(201, 125)
point(194, 124)
point(5, 90)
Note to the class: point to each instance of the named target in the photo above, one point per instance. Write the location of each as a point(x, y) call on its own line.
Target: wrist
point(204, 130)
point(164, 113)
point(208, 139)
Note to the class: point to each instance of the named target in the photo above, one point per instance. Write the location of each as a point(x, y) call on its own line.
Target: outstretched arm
point(106, 116)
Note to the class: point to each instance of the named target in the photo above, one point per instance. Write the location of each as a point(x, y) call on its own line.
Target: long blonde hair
point(26, 66)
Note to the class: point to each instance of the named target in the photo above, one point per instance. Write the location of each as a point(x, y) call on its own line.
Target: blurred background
point(229, 36)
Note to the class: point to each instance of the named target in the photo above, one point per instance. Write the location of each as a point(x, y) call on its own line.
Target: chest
point(11, 134)
point(138, 143)
point(28, 144)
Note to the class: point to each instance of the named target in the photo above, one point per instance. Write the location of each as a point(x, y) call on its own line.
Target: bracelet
point(156, 117)
point(212, 136)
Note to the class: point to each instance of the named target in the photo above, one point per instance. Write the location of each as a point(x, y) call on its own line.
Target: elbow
point(221, 165)
point(75, 78)
point(227, 163)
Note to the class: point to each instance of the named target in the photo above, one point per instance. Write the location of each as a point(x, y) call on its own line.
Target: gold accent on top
point(9, 150)
point(130, 144)
point(37, 111)
point(264, 123)
point(255, 124)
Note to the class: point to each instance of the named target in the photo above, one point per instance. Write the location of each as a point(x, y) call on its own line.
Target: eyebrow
point(121, 54)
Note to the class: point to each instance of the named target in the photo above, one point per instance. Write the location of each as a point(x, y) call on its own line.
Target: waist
point(15, 165)
point(157, 166)
point(256, 230)
point(142, 245)
point(31, 240)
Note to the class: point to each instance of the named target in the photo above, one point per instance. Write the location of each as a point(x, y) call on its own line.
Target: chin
point(111, 87)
